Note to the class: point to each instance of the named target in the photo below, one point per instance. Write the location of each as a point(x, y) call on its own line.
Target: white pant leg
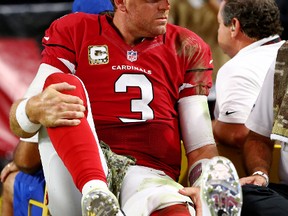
point(63, 196)
point(92, 126)
point(145, 190)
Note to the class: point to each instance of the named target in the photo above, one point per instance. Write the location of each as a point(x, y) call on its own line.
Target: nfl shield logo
point(132, 55)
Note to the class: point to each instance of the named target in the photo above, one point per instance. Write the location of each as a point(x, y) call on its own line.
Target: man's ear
point(120, 4)
point(235, 25)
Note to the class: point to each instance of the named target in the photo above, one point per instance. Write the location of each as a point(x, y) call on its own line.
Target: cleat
point(221, 192)
point(100, 202)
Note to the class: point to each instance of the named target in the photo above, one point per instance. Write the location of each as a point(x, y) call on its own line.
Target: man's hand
point(52, 108)
point(9, 168)
point(255, 179)
point(194, 194)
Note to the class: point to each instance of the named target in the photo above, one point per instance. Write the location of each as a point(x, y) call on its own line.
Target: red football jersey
point(133, 90)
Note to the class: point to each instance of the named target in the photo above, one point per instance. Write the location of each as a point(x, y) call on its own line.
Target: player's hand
point(256, 180)
point(52, 108)
point(9, 168)
point(194, 194)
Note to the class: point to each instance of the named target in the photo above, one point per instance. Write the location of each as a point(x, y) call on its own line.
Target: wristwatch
point(263, 175)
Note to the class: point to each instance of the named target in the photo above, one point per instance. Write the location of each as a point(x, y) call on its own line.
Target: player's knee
point(63, 77)
point(68, 78)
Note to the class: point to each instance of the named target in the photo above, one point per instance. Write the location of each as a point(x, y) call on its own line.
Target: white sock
point(93, 184)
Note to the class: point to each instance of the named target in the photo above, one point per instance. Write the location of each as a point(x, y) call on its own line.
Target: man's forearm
point(258, 153)
point(230, 134)
point(206, 152)
point(197, 159)
point(27, 157)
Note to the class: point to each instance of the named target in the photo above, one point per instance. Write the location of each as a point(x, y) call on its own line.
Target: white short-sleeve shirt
point(239, 81)
point(261, 121)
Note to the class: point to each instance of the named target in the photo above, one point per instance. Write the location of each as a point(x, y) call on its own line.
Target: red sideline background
point(22, 26)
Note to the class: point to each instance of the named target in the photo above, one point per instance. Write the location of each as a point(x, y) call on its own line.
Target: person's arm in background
point(258, 148)
point(258, 152)
point(8, 175)
point(26, 157)
point(230, 134)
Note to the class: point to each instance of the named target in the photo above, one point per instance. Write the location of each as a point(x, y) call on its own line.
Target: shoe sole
point(221, 189)
point(98, 203)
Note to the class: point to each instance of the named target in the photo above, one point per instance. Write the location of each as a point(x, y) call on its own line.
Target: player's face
point(147, 18)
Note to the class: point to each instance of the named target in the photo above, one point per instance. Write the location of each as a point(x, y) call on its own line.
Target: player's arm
point(194, 115)
point(196, 128)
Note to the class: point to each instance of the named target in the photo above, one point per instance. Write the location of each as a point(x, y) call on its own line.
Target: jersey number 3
point(140, 104)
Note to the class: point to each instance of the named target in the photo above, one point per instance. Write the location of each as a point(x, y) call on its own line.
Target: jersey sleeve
point(62, 40)
point(199, 67)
